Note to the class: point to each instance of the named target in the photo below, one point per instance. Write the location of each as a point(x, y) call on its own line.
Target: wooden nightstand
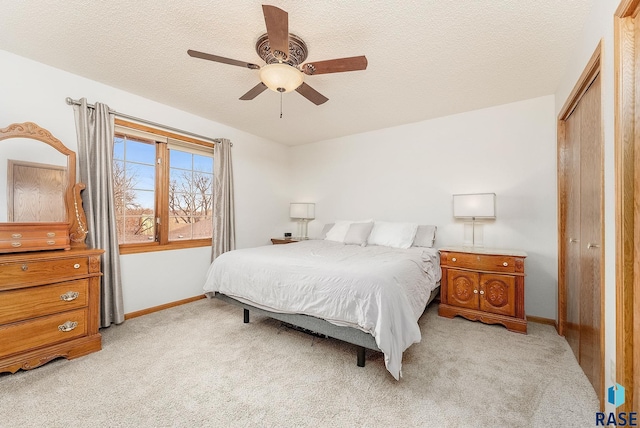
point(277, 241)
point(484, 285)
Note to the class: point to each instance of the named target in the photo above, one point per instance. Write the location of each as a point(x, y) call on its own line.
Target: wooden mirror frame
point(76, 224)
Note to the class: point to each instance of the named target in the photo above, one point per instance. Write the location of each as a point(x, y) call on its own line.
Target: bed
point(371, 296)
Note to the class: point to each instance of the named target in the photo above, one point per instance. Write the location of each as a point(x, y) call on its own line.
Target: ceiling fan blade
point(311, 94)
point(277, 22)
point(254, 92)
point(222, 59)
point(353, 63)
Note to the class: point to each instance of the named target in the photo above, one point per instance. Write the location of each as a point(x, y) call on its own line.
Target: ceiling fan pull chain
point(281, 104)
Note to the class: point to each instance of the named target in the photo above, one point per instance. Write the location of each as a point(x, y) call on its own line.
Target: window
point(163, 189)
point(190, 195)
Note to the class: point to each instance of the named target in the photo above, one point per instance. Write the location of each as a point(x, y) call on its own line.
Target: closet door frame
point(591, 71)
point(627, 184)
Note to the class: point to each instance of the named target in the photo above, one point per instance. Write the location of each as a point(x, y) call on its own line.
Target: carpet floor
point(198, 365)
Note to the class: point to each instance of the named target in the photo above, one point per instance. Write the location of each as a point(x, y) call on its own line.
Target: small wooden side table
point(483, 285)
point(278, 241)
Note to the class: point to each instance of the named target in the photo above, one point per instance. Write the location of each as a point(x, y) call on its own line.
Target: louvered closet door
point(591, 234)
point(572, 229)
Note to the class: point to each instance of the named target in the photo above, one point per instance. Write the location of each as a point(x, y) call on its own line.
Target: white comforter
point(380, 290)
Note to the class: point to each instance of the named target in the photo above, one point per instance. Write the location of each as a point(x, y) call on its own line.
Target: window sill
point(174, 245)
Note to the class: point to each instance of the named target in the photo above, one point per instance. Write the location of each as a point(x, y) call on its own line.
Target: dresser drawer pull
point(454, 259)
point(16, 244)
point(16, 235)
point(475, 291)
point(25, 267)
point(481, 291)
point(51, 242)
point(50, 234)
point(76, 266)
point(69, 296)
point(68, 326)
point(505, 264)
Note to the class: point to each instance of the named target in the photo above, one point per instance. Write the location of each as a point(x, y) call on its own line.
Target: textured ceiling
point(427, 58)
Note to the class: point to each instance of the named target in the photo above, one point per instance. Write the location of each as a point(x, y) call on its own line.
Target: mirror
point(34, 187)
point(40, 203)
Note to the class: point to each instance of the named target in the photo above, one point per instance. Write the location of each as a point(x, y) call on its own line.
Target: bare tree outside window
point(190, 195)
point(134, 189)
point(125, 202)
point(190, 198)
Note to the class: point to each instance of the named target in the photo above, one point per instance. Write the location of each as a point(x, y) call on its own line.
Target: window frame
point(162, 190)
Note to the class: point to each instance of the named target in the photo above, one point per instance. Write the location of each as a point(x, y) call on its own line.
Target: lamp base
point(302, 230)
point(473, 234)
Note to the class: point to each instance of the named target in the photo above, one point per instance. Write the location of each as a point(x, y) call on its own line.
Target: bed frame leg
point(246, 316)
point(360, 356)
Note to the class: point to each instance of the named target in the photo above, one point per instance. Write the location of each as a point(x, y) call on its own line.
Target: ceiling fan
point(284, 54)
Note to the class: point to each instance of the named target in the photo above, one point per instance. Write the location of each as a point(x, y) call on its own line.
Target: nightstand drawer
point(480, 262)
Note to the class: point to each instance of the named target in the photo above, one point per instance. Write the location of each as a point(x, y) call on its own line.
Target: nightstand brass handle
point(51, 242)
point(505, 264)
point(16, 235)
point(25, 267)
point(76, 266)
point(454, 259)
point(16, 244)
point(50, 234)
point(69, 296)
point(68, 326)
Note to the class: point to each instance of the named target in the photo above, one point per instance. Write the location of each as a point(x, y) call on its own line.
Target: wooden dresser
point(483, 285)
point(48, 307)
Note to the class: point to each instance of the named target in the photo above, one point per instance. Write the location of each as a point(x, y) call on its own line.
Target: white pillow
point(425, 236)
point(340, 229)
point(327, 227)
point(358, 234)
point(395, 235)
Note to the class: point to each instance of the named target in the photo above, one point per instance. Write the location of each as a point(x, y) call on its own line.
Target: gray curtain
point(94, 127)
point(224, 220)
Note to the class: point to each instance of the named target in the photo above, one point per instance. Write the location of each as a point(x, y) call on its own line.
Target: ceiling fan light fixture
point(281, 77)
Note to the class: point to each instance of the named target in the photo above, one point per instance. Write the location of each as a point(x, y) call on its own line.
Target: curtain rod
point(71, 101)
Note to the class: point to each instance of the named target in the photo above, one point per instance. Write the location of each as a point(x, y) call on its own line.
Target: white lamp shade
point(281, 76)
point(302, 210)
point(476, 205)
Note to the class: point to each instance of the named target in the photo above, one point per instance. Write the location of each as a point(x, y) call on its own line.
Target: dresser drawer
point(480, 262)
point(17, 305)
point(28, 335)
point(28, 233)
point(18, 237)
point(34, 244)
point(38, 270)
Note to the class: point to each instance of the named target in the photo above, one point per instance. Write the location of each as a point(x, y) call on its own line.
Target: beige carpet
point(198, 365)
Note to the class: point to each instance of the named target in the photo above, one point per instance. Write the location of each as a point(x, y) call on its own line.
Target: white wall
point(408, 173)
point(30, 91)
point(599, 27)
